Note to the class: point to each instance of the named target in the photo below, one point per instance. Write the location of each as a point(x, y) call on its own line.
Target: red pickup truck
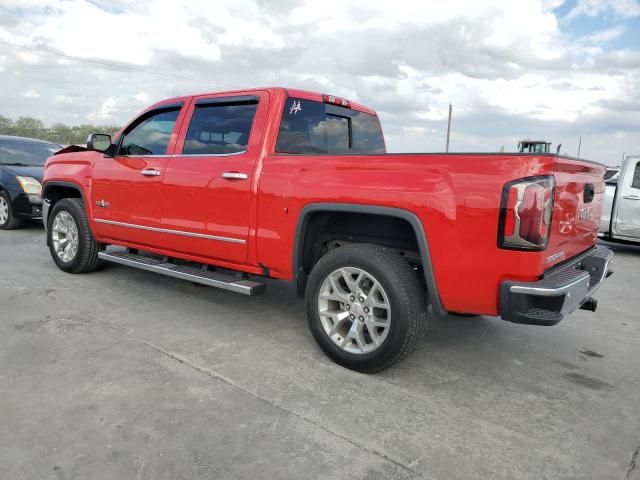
point(227, 189)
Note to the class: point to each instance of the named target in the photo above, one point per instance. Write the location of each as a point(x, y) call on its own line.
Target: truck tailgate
point(578, 203)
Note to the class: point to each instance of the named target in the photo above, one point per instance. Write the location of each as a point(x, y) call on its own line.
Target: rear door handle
point(150, 172)
point(235, 176)
point(631, 197)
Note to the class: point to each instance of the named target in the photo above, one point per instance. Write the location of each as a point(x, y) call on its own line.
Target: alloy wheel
point(4, 211)
point(64, 235)
point(354, 309)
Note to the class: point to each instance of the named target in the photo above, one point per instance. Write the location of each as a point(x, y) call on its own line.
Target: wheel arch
point(56, 190)
point(414, 222)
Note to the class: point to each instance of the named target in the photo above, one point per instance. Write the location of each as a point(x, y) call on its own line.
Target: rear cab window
point(309, 127)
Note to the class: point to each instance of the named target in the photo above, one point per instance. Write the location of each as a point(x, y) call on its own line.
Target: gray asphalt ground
point(122, 374)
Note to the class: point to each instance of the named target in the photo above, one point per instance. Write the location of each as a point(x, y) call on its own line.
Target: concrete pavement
point(125, 374)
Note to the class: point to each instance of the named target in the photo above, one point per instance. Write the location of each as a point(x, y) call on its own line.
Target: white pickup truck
point(620, 220)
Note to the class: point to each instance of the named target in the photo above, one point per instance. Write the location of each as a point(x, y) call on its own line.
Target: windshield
point(26, 153)
point(315, 127)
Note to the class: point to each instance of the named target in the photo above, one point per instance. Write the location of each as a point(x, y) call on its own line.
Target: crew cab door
point(208, 182)
point(126, 192)
point(626, 222)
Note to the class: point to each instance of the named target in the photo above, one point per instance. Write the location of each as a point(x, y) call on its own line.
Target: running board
point(185, 272)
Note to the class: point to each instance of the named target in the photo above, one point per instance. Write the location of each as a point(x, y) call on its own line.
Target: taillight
point(525, 213)
point(336, 101)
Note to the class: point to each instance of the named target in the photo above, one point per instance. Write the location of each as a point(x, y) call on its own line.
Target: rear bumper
point(560, 292)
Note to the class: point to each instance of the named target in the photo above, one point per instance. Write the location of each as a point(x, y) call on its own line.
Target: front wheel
point(70, 240)
point(366, 307)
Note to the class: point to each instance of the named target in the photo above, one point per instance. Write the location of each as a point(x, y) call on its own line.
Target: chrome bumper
point(46, 205)
point(561, 291)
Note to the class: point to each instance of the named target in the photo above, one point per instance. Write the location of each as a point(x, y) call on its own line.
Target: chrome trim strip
point(185, 155)
point(167, 230)
point(209, 154)
point(142, 156)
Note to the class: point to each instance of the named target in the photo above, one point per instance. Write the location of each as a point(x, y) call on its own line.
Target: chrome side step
point(185, 272)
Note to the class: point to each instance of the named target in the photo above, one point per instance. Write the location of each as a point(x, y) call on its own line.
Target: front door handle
point(150, 172)
point(631, 197)
point(235, 176)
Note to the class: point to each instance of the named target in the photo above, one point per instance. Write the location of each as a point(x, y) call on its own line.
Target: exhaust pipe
point(590, 304)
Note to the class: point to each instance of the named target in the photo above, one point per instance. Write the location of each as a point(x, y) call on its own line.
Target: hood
point(35, 172)
point(71, 149)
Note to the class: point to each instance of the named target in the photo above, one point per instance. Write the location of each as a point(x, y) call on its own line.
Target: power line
point(130, 68)
point(114, 66)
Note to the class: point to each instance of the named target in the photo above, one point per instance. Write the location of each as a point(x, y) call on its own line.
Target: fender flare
point(410, 217)
point(46, 203)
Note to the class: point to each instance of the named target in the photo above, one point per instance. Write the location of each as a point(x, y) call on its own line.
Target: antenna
point(448, 128)
point(579, 145)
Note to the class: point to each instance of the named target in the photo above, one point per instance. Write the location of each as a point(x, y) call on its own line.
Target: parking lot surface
point(124, 374)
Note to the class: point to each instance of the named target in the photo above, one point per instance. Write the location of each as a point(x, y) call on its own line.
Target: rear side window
point(635, 183)
point(315, 127)
point(151, 134)
point(220, 128)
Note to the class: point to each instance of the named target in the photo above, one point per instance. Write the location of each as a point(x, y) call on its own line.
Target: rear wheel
point(365, 307)
point(71, 242)
point(7, 220)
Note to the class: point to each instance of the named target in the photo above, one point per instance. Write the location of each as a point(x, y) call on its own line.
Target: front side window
point(220, 128)
point(315, 127)
point(150, 135)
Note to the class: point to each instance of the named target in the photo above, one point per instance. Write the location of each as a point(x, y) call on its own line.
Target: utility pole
point(579, 145)
point(448, 128)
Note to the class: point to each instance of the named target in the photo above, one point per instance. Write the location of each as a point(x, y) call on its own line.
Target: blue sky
point(584, 25)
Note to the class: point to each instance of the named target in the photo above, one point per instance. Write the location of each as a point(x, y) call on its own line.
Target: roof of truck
point(290, 92)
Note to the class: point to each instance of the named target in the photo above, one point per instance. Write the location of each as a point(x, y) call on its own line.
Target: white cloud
point(30, 94)
point(508, 67)
point(592, 8)
point(603, 36)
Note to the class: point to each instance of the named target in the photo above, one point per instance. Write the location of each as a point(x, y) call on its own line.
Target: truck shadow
point(621, 247)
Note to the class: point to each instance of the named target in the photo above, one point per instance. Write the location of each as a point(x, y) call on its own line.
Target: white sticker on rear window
point(295, 107)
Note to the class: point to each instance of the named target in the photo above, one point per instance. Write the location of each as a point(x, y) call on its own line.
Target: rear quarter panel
point(456, 197)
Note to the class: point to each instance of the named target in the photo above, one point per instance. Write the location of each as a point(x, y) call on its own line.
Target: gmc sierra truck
point(227, 189)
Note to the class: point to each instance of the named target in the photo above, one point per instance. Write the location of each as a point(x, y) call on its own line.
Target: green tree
point(58, 132)
point(6, 126)
point(29, 127)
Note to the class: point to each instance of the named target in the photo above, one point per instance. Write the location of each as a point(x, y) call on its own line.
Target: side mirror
point(98, 142)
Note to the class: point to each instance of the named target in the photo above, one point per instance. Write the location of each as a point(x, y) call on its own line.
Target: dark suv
point(21, 169)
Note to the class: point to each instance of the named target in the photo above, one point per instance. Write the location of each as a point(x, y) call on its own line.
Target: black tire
point(86, 258)
point(407, 299)
point(11, 223)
